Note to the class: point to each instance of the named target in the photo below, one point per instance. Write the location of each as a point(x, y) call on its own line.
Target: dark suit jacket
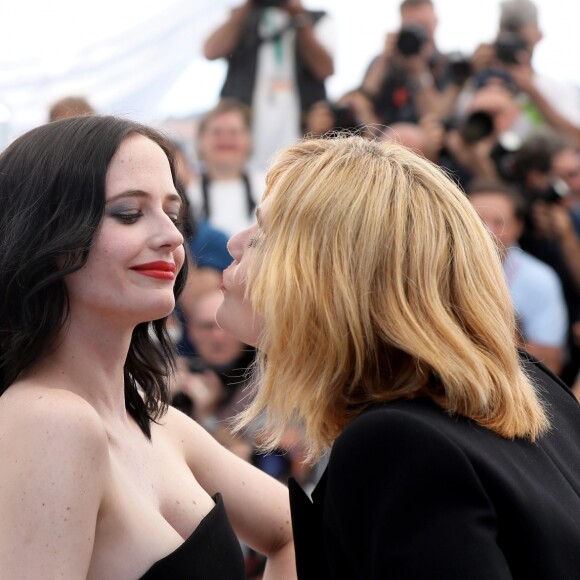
point(411, 492)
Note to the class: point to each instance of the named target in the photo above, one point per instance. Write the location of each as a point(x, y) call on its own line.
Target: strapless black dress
point(212, 552)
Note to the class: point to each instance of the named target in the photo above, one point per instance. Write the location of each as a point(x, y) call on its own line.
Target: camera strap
point(276, 35)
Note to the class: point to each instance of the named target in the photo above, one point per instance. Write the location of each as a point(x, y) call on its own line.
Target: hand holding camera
point(411, 50)
point(292, 6)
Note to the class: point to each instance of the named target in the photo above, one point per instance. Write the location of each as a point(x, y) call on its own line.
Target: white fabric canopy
point(127, 72)
point(125, 56)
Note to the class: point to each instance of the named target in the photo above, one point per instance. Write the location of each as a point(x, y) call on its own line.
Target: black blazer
point(411, 492)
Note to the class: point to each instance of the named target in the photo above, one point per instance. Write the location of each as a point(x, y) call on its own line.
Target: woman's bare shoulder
point(54, 457)
point(50, 417)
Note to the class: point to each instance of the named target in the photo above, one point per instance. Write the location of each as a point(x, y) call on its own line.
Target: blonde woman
point(378, 303)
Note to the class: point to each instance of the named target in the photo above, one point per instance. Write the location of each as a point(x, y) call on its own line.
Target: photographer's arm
point(447, 99)
point(315, 56)
point(377, 70)
point(427, 97)
point(223, 40)
point(523, 76)
point(476, 157)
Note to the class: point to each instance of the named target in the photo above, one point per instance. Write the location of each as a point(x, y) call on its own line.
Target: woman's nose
point(236, 246)
point(169, 234)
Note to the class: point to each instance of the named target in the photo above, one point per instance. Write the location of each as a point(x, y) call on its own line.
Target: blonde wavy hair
point(376, 281)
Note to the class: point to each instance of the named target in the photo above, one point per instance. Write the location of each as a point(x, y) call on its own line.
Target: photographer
point(353, 112)
point(279, 56)
point(410, 77)
point(545, 100)
point(535, 289)
point(534, 168)
point(548, 232)
point(492, 126)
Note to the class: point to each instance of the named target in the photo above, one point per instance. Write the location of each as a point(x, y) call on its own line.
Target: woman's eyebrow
point(140, 194)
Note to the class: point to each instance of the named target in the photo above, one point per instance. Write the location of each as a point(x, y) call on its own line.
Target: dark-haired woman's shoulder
point(30, 409)
point(26, 408)
point(53, 452)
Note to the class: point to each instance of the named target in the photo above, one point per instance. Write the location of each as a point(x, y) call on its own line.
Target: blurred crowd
point(508, 135)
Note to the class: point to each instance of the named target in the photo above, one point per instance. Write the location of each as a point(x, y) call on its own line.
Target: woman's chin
point(242, 328)
point(157, 311)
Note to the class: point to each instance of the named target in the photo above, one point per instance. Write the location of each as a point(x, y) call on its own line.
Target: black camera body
point(344, 118)
point(508, 46)
point(270, 3)
point(459, 66)
point(411, 39)
point(554, 193)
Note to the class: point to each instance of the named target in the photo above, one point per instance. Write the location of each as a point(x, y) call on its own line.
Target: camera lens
point(411, 39)
point(476, 127)
point(508, 46)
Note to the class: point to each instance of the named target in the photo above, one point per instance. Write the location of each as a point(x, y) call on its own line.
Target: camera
point(459, 67)
point(476, 126)
point(411, 39)
point(270, 3)
point(344, 118)
point(479, 125)
point(502, 154)
point(508, 46)
point(555, 193)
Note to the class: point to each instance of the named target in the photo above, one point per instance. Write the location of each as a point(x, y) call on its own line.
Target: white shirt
point(275, 102)
point(538, 299)
point(227, 201)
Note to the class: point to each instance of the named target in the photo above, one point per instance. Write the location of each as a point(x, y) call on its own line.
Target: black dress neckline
point(211, 551)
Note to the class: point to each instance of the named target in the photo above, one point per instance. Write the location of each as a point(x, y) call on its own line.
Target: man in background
point(545, 100)
point(279, 56)
point(535, 288)
point(70, 106)
point(408, 79)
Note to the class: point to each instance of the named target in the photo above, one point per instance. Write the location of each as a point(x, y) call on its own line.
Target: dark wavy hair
point(52, 201)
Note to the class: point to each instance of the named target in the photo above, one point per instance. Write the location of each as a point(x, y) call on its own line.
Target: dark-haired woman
point(100, 479)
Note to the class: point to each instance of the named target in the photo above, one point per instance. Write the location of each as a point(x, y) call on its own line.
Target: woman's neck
point(89, 362)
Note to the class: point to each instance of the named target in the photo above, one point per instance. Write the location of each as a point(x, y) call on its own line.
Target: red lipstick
point(160, 270)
